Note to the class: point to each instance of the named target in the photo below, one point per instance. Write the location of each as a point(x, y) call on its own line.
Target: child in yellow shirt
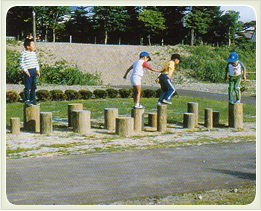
point(164, 79)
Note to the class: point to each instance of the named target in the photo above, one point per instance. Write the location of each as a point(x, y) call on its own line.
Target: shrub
point(21, 94)
point(14, 74)
point(72, 94)
point(158, 92)
point(125, 93)
point(148, 93)
point(58, 94)
point(99, 93)
point(43, 95)
point(12, 96)
point(112, 93)
point(85, 94)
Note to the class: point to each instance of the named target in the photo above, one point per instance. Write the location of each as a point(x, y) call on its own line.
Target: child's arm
point(127, 71)
point(244, 74)
point(146, 65)
point(169, 73)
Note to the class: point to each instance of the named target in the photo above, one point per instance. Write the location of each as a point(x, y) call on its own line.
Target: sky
point(247, 13)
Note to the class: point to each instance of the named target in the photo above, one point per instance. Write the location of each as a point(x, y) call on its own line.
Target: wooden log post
point(193, 108)
point(161, 118)
point(138, 115)
point(189, 120)
point(81, 121)
point(215, 118)
point(124, 126)
point(15, 125)
point(235, 114)
point(32, 118)
point(46, 125)
point(209, 118)
point(110, 115)
point(71, 108)
point(152, 119)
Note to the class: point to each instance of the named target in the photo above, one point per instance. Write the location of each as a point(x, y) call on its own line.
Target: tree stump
point(193, 108)
point(15, 125)
point(32, 118)
point(138, 115)
point(46, 125)
point(110, 115)
point(235, 115)
point(189, 120)
point(124, 126)
point(208, 118)
point(152, 119)
point(161, 118)
point(72, 107)
point(215, 118)
point(81, 121)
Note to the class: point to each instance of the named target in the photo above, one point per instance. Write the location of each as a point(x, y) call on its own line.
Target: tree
point(153, 22)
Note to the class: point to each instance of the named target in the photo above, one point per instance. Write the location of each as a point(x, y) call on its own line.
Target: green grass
point(59, 109)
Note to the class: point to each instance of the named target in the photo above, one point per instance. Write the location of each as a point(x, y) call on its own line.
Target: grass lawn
point(59, 109)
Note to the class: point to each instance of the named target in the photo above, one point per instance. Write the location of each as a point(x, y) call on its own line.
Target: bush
point(158, 92)
point(85, 94)
point(58, 94)
point(43, 95)
point(99, 93)
point(149, 93)
point(112, 93)
point(12, 96)
point(14, 74)
point(125, 93)
point(72, 94)
point(21, 94)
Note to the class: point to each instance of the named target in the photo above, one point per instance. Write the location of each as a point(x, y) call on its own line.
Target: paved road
point(107, 177)
point(198, 94)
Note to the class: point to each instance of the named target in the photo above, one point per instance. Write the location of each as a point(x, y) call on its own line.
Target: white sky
point(247, 13)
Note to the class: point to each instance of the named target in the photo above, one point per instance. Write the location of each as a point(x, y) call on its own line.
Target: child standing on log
point(29, 64)
point(138, 69)
point(167, 87)
point(234, 68)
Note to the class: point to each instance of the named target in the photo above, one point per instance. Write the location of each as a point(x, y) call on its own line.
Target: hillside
point(111, 61)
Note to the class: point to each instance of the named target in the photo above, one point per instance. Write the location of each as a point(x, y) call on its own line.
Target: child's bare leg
point(136, 95)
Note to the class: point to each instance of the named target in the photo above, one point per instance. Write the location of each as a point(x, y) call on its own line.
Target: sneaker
point(138, 107)
point(230, 101)
point(237, 101)
point(28, 103)
point(159, 102)
point(35, 103)
point(166, 101)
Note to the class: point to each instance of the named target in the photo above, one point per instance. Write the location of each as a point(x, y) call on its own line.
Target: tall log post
point(161, 118)
point(208, 118)
point(71, 108)
point(110, 115)
point(32, 118)
point(193, 108)
point(138, 115)
point(124, 126)
point(215, 118)
point(235, 114)
point(152, 119)
point(81, 121)
point(15, 125)
point(46, 126)
point(189, 120)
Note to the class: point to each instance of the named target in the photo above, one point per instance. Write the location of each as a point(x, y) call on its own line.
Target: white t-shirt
point(235, 70)
point(138, 67)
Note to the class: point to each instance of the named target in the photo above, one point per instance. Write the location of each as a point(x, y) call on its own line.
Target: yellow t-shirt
point(166, 67)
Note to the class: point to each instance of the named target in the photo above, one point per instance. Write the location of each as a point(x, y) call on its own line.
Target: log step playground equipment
point(79, 120)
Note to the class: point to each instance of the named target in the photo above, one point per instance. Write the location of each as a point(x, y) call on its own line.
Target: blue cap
point(232, 57)
point(142, 54)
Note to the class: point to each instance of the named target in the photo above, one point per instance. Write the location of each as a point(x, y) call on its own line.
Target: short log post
point(235, 114)
point(193, 108)
point(209, 118)
point(161, 118)
point(81, 121)
point(152, 119)
point(189, 120)
point(46, 126)
point(32, 118)
point(72, 107)
point(215, 118)
point(138, 115)
point(124, 126)
point(110, 115)
point(15, 125)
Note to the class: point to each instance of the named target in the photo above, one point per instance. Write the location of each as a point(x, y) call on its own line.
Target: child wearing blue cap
point(138, 69)
point(234, 68)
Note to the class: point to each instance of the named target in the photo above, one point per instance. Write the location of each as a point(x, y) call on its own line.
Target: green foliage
point(148, 93)
point(14, 74)
point(124, 93)
point(72, 94)
point(58, 94)
point(43, 95)
point(158, 92)
point(12, 96)
point(112, 93)
point(99, 93)
point(85, 94)
point(21, 94)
